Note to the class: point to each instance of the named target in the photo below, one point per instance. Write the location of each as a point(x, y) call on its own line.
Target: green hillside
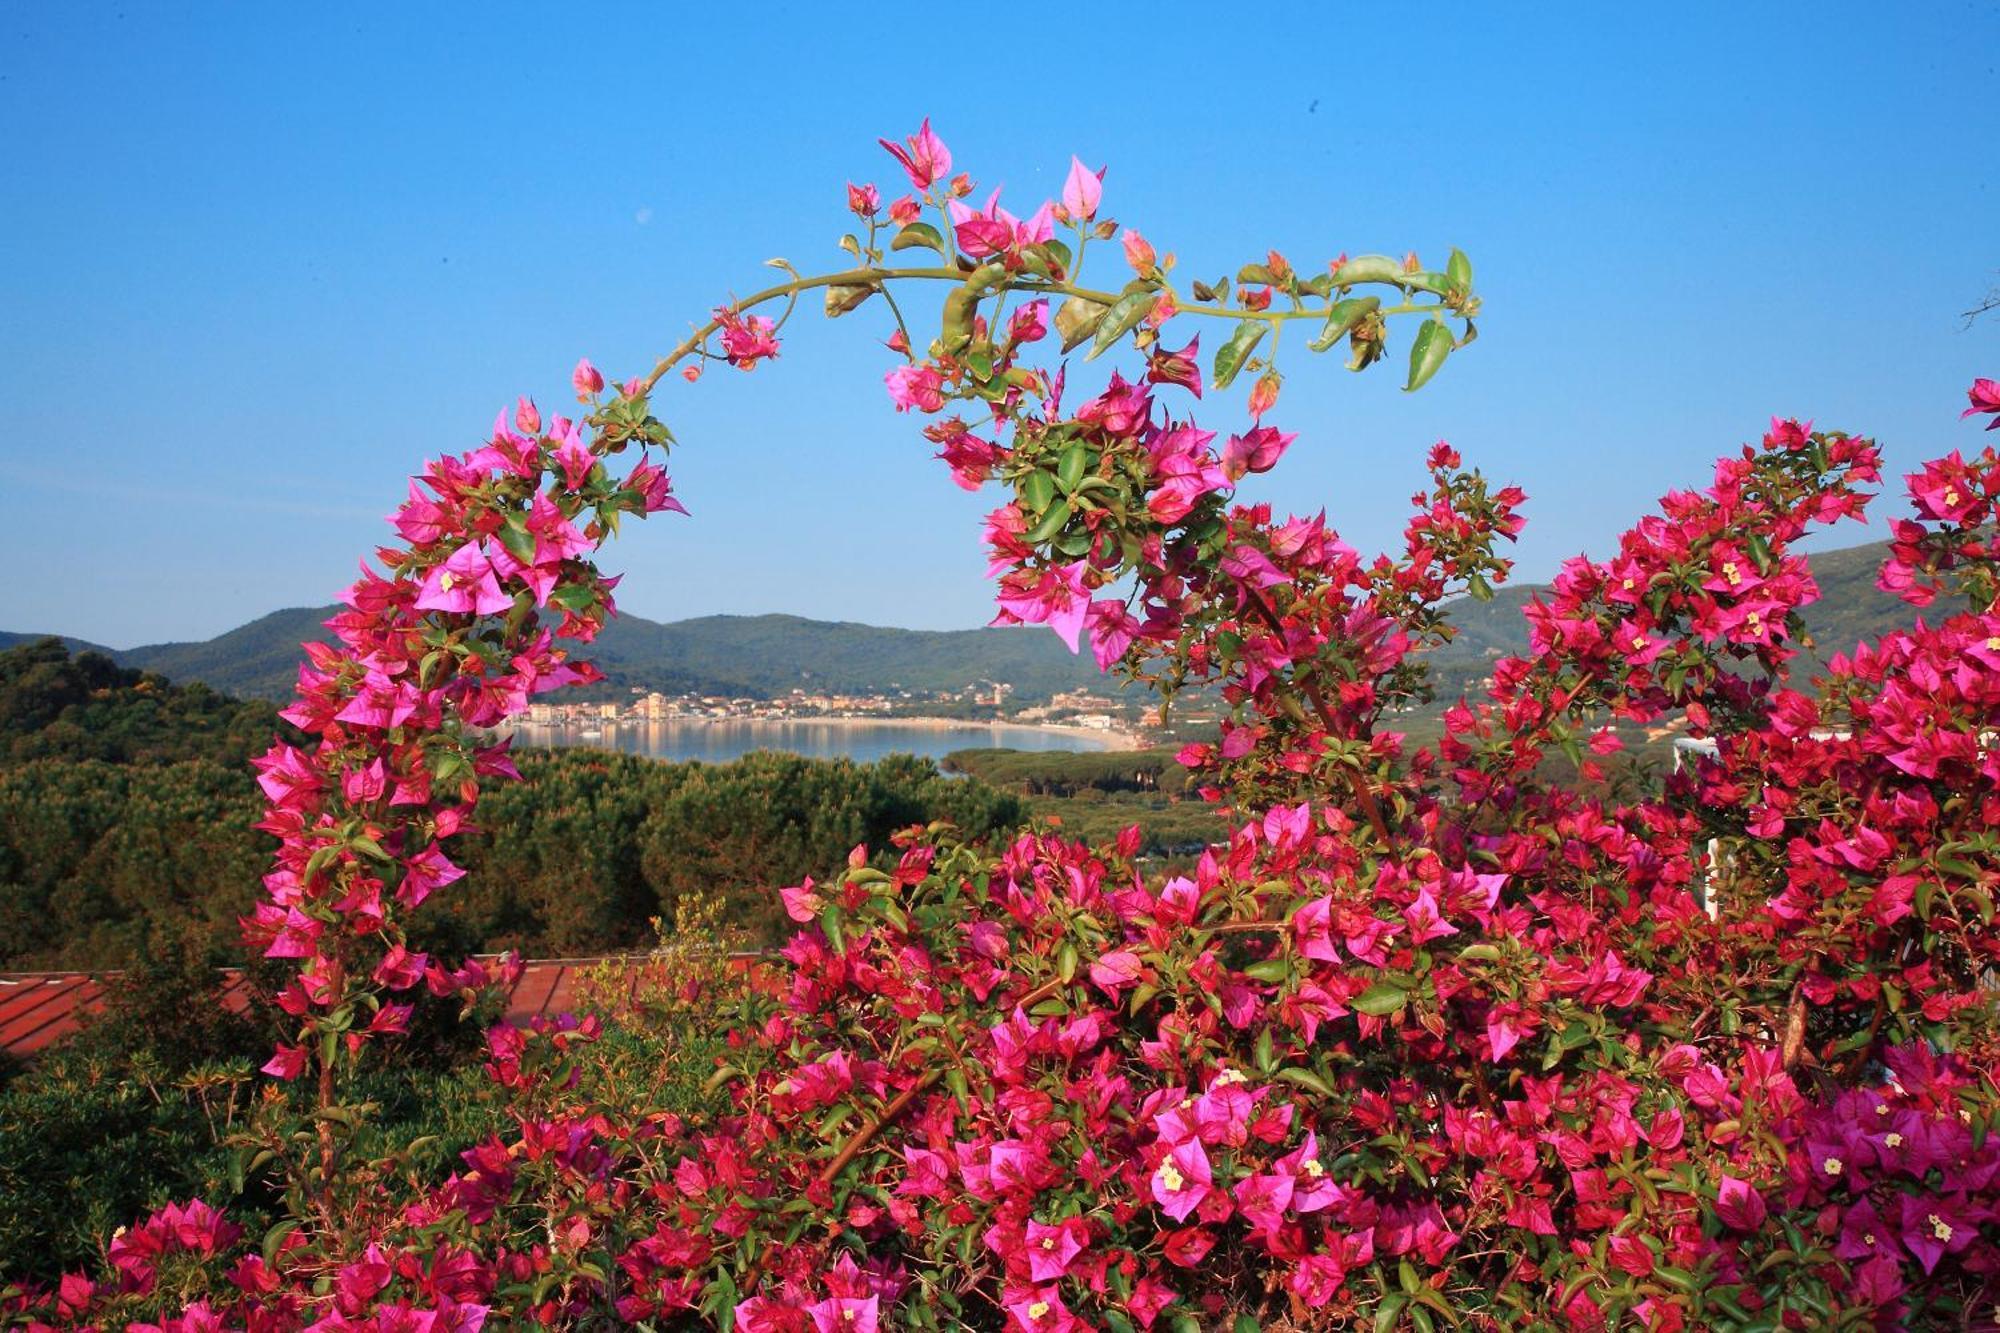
point(761, 656)
point(755, 656)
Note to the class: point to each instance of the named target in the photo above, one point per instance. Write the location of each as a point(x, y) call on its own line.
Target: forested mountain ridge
point(766, 655)
point(753, 656)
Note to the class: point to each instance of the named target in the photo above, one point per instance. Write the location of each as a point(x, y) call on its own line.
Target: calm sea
point(722, 739)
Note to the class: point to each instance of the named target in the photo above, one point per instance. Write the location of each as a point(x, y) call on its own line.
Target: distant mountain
point(760, 656)
point(757, 656)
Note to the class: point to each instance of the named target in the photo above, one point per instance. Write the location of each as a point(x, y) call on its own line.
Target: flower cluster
point(1450, 1034)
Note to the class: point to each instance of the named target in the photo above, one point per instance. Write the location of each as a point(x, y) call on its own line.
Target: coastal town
point(987, 701)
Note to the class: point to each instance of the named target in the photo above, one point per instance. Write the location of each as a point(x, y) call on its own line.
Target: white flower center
point(1939, 1227)
point(1038, 1309)
point(1313, 1168)
point(1833, 1166)
point(1171, 1177)
point(1893, 1140)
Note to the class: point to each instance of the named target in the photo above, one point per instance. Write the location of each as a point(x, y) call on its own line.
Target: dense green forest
point(1094, 796)
point(127, 805)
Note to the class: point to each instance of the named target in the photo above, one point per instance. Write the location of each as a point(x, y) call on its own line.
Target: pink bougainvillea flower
point(1057, 599)
point(1112, 630)
point(993, 230)
point(846, 1314)
point(1985, 398)
point(1249, 565)
point(1182, 1180)
point(1423, 919)
point(1139, 252)
point(288, 1063)
point(970, 458)
point(428, 870)
point(1182, 367)
point(863, 200)
point(919, 387)
point(746, 339)
point(1029, 324)
point(924, 157)
point(1083, 190)
point(1039, 1310)
point(1739, 1205)
point(587, 380)
point(1052, 1248)
point(527, 417)
point(801, 903)
point(1117, 971)
point(1933, 1226)
point(575, 458)
point(465, 583)
point(1256, 451)
point(1506, 1026)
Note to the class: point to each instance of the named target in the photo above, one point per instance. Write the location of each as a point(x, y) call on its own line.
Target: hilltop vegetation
point(57, 706)
point(744, 656)
point(762, 656)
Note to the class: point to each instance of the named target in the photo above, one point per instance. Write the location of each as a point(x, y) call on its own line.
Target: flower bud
point(1264, 396)
point(1139, 253)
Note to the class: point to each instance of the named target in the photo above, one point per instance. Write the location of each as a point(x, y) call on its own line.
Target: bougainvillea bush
point(1438, 1039)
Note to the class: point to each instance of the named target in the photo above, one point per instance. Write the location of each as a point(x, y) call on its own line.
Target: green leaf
point(1038, 489)
point(1390, 1311)
point(1230, 356)
point(1069, 469)
point(1380, 1000)
point(840, 300)
point(1427, 353)
point(959, 309)
point(1078, 318)
point(919, 233)
point(1054, 520)
point(520, 543)
point(1341, 317)
point(1306, 1079)
point(1368, 268)
point(1129, 312)
point(1459, 269)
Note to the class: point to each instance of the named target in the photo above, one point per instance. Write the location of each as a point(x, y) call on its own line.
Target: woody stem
point(873, 276)
point(1370, 807)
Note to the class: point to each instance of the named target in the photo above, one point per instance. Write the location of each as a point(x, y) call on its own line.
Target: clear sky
point(258, 261)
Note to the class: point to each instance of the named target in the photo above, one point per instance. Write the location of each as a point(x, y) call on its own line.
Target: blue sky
point(258, 262)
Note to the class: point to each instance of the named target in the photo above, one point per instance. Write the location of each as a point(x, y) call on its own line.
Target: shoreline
point(1112, 738)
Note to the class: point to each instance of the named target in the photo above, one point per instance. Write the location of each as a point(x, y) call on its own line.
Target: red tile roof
point(38, 1008)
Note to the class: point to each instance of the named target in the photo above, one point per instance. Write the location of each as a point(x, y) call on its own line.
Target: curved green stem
point(874, 275)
